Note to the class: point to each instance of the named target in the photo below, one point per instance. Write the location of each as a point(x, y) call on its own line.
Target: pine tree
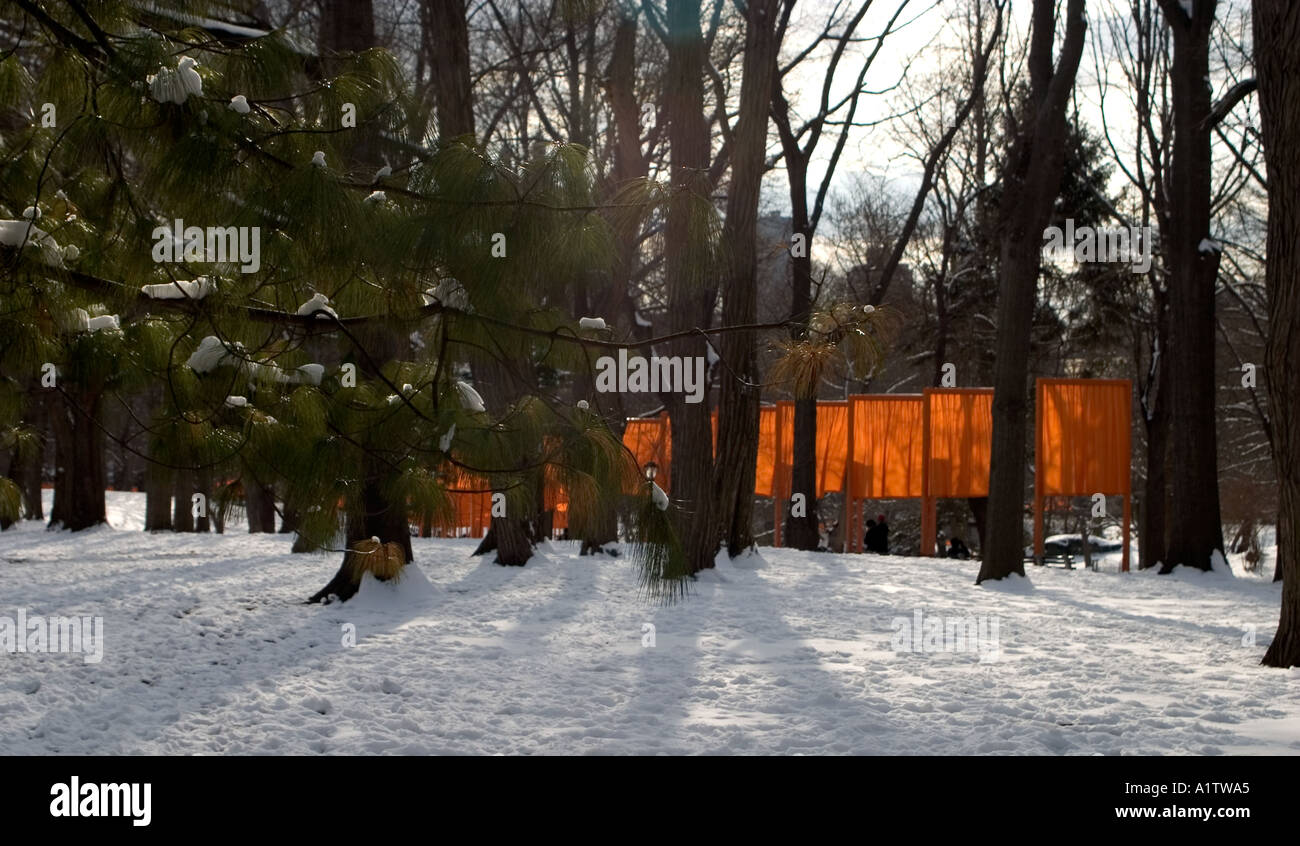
point(286, 371)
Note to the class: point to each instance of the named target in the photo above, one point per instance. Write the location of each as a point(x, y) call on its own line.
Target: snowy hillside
point(209, 650)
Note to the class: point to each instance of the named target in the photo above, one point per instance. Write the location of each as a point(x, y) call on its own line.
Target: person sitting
point(957, 549)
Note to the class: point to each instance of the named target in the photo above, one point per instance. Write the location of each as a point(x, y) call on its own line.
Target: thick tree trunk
point(451, 74)
point(259, 505)
point(1277, 31)
point(1003, 552)
point(382, 518)
point(158, 487)
point(690, 299)
point(801, 531)
point(183, 515)
point(738, 404)
point(203, 487)
point(979, 509)
point(80, 478)
point(1154, 533)
point(1195, 531)
point(1031, 182)
point(26, 470)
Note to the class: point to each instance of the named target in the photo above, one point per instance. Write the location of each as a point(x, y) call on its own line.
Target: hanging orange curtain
point(1084, 436)
point(650, 439)
point(471, 511)
point(556, 500)
point(765, 467)
point(887, 446)
point(832, 445)
point(784, 449)
point(961, 441)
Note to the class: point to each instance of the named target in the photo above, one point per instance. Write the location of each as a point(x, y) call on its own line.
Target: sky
point(919, 41)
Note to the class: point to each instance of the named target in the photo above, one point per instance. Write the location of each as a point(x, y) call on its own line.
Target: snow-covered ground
point(209, 650)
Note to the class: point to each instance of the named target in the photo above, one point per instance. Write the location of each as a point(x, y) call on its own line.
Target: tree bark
point(739, 400)
point(1195, 530)
point(183, 515)
point(801, 532)
point(690, 299)
point(1030, 184)
point(80, 478)
point(158, 486)
point(451, 74)
point(1276, 33)
point(259, 505)
point(25, 471)
point(1153, 534)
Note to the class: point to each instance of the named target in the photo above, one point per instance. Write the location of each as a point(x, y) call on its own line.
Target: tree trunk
point(25, 468)
point(158, 487)
point(979, 509)
point(800, 532)
point(183, 515)
point(738, 404)
point(690, 299)
point(79, 479)
point(1277, 31)
point(1031, 182)
point(259, 505)
point(1154, 532)
point(451, 73)
point(203, 487)
point(1195, 531)
point(381, 518)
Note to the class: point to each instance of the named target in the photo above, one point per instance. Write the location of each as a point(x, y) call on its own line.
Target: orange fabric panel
point(888, 445)
point(471, 509)
point(650, 439)
point(781, 475)
point(832, 445)
point(556, 500)
point(961, 441)
point(1084, 436)
point(765, 467)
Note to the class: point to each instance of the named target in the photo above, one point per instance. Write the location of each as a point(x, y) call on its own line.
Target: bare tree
point(1030, 183)
point(1276, 33)
point(798, 145)
point(738, 405)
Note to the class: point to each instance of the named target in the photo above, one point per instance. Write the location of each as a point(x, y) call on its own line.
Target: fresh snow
point(591, 323)
point(103, 322)
point(209, 650)
point(20, 233)
point(319, 306)
point(469, 398)
point(239, 104)
point(176, 86)
point(210, 354)
point(180, 289)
